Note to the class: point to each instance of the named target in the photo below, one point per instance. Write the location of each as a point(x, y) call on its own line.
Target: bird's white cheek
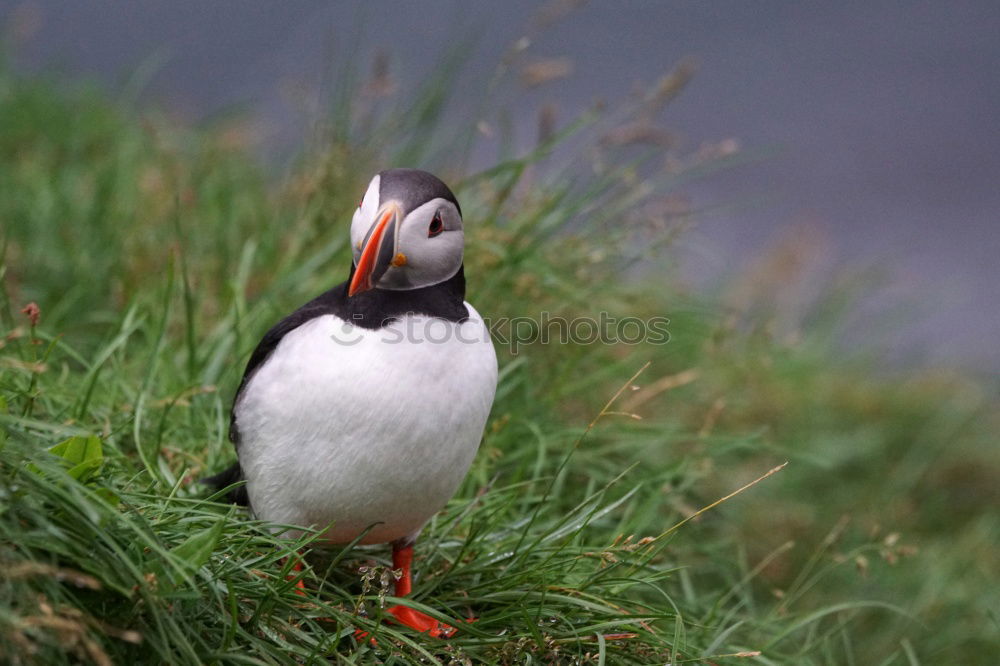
point(424, 261)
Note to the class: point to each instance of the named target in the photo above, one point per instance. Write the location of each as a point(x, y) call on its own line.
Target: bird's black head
point(406, 233)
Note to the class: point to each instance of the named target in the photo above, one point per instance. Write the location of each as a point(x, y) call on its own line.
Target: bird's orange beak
point(377, 252)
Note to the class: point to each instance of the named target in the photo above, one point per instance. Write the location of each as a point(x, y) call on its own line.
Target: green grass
point(158, 255)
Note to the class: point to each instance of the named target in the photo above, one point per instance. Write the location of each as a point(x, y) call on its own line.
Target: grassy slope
point(158, 255)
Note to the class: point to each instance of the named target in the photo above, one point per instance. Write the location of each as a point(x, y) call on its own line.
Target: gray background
point(884, 114)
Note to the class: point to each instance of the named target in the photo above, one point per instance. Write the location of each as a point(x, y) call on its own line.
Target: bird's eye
point(436, 227)
point(360, 202)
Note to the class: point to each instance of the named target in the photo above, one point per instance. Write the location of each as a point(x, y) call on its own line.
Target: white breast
point(358, 428)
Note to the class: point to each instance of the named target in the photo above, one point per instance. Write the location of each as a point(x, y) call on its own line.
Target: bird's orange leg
point(299, 584)
point(402, 558)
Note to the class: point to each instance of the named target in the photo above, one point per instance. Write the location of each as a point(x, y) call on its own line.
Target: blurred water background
point(873, 125)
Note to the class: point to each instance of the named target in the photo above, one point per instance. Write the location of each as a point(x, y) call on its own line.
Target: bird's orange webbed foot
point(402, 557)
point(421, 622)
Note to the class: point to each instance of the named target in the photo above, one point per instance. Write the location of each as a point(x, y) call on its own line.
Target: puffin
point(360, 413)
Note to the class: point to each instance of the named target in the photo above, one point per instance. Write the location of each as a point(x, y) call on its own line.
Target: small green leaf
point(196, 550)
point(84, 456)
point(77, 449)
